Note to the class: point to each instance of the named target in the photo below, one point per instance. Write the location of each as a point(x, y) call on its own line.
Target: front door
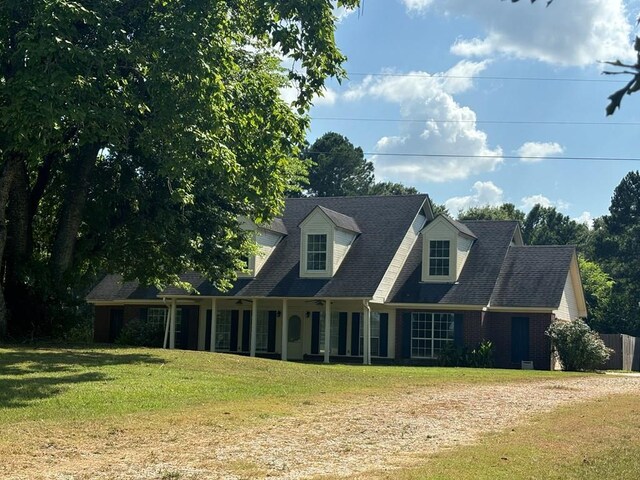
point(519, 339)
point(294, 338)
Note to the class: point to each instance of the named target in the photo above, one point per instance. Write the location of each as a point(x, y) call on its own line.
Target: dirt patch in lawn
point(356, 435)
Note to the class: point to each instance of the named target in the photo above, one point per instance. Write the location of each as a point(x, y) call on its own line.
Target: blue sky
point(480, 81)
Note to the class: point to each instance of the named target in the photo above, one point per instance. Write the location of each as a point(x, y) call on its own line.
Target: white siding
point(342, 240)
point(568, 308)
point(400, 257)
point(267, 242)
point(439, 229)
point(316, 223)
point(464, 245)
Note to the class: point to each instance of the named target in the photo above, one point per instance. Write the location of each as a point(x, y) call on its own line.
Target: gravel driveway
point(373, 432)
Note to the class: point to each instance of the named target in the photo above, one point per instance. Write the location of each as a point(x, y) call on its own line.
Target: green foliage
point(391, 188)
point(152, 126)
point(479, 357)
point(337, 168)
point(546, 226)
point(578, 347)
point(141, 333)
point(598, 287)
point(506, 211)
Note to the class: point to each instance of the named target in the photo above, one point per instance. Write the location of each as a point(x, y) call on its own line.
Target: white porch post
point(285, 328)
point(366, 332)
point(254, 325)
point(327, 330)
point(167, 321)
point(172, 328)
point(214, 320)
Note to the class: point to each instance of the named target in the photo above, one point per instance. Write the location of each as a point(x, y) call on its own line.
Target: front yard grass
point(77, 395)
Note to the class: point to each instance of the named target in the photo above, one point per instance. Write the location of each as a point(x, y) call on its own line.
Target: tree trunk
point(17, 246)
point(10, 170)
point(72, 211)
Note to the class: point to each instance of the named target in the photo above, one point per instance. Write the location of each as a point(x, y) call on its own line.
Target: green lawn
point(62, 384)
point(79, 396)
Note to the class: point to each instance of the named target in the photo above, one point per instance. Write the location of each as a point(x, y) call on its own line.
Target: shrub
point(578, 347)
point(479, 357)
point(141, 333)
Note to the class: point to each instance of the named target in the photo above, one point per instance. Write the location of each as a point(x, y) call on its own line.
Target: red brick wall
point(499, 332)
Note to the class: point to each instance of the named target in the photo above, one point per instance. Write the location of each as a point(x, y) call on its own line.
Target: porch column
point(167, 321)
point(214, 321)
point(285, 328)
point(366, 333)
point(172, 323)
point(327, 330)
point(254, 325)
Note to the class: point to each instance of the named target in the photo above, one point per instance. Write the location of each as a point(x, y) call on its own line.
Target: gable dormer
point(325, 239)
point(445, 248)
point(267, 237)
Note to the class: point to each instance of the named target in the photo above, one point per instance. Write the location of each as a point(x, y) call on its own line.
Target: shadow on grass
point(56, 369)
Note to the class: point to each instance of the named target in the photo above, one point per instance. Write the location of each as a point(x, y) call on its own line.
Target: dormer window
point(446, 246)
point(316, 252)
point(439, 258)
point(267, 237)
point(325, 239)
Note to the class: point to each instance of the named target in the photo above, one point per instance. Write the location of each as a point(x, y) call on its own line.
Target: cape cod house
point(367, 279)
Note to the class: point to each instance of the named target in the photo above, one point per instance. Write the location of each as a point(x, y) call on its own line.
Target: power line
point(505, 157)
point(491, 122)
point(487, 77)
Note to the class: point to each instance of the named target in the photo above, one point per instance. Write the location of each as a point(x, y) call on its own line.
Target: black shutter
point(233, 336)
point(355, 334)
point(406, 335)
point(315, 333)
point(246, 330)
point(207, 332)
point(342, 333)
point(143, 313)
point(184, 330)
point(383, 350)
point(458, 330)
point(271, 331)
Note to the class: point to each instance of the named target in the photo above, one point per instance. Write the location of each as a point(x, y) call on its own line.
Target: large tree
point(506, 211)
point(547, 226)
point(337, 168)
point(133, 133)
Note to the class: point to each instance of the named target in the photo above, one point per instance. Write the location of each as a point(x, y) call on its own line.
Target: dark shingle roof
point(276, 225)
point(340, 220)
point(382, 222)
point(533, 276)
point(478, 277)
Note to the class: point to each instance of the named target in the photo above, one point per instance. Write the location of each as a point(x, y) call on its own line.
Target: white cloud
point(564, 33)
point(529, 202)
point(328, 97)
point(585, 218)
point(342, 12)
point(531, 152)
point(449, 129)
point(484, 193)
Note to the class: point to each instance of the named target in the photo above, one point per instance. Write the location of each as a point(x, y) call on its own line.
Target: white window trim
point(432, 339)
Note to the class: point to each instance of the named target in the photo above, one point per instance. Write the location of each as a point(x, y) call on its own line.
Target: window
point(430, 333)
point(223, 330)
point(159, 316)
point(375, 334)
point(317, 252)
point(262, 331)
point(439, 258)
point(333, 341)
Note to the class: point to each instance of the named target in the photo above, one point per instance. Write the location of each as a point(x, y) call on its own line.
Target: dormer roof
point(276, 225)
point(460, 227)
point(340, 220)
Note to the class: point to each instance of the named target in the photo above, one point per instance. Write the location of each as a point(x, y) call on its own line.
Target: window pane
point(430, 333)
point(223, 329)
point(439, 257)
point(317, 252)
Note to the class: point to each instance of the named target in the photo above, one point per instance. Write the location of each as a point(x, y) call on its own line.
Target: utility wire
point(493, 122)
point(506, 157)
point(487, 77)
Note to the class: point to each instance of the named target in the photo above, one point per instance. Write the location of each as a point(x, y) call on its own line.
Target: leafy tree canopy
point(133, 133)
point(506, 211)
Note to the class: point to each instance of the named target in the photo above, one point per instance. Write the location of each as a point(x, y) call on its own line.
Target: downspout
point(367, 332)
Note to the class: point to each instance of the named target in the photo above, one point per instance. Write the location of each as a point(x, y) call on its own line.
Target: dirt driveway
point(370, 432)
